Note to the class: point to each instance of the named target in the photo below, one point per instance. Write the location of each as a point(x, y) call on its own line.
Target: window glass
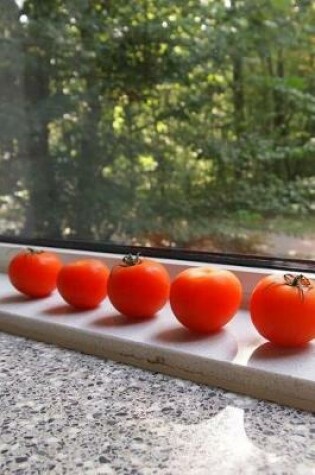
point(188, 124)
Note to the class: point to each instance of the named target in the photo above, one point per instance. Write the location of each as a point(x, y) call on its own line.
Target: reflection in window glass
point(187, 124)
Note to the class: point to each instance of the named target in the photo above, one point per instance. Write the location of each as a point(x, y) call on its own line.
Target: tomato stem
point(302, 283)
point(130, 260)
point(296, 280)
point(30, 250)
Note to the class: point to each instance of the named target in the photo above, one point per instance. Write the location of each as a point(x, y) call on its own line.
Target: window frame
point(174, 253)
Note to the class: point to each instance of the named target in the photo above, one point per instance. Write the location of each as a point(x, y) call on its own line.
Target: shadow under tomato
point(63, 310)
point(180, 335)
point(268, 351)
point(291, 362)
point(220, 345)
point(118, 320)
point(16, 298)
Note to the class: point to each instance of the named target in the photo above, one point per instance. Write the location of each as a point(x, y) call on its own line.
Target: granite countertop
point(67, 413)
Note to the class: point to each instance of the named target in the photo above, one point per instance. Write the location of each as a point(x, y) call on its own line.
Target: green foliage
point(123, 119)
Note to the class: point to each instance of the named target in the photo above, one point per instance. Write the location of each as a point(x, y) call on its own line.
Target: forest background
point(183, 123)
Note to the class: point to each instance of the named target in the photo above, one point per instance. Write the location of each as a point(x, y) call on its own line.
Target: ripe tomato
point(138, 287)
point(34, 273)
point(283, 309)
point(83, 283)
point(205, 299)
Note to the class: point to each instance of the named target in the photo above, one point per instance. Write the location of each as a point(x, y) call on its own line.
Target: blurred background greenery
point(183, 123)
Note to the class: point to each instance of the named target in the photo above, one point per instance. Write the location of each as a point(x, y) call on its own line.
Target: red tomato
point(34, 273)
point(283, 309)
point(83, 283)
point(138, 287)
point(205, 299)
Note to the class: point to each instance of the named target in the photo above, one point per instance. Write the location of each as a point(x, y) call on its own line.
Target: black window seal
point(242, 260)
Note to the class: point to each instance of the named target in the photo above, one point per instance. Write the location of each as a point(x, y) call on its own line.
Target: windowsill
point(236, 358)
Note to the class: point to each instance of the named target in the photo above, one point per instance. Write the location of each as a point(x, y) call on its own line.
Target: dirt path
point(280, 244)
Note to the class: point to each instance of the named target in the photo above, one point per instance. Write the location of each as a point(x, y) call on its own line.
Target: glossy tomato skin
point(205, 299)
point(281, 313)
point(83, 283)
point(34, 273)
point(140, 290)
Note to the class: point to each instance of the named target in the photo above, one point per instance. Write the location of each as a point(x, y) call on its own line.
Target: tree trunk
point(279, 103)
point(87, 170)
point(43, 216)
point(85, 216)
point(238, 84)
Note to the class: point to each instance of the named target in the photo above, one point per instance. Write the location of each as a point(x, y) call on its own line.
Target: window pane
point(188, 124)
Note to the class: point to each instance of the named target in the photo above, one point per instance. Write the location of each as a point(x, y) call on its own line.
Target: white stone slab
point(236, 358)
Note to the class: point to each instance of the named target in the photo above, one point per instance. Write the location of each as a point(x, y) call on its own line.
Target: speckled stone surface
point(67, 413)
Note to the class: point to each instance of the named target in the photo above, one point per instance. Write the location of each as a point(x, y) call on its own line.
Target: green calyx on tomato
point(302, 283)
point(130, 260)
point(32, 251)
point(297, 280)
